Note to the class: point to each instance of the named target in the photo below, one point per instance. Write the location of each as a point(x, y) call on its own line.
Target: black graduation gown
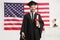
point(29, 27)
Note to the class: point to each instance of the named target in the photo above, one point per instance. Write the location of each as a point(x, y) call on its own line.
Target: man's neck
point(32, 12)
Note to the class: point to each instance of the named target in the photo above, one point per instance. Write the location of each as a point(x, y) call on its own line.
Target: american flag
point(14, 12)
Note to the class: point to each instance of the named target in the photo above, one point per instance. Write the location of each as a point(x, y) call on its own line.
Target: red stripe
point(42, 8)
point(46, 24)
point(12, 20)
point(38, 12)
point(43, 12)
point(12, 28)
point(21, 20)
point(39, 3)
point(26, 12)
point(46, 20)
point(12, 24)
point(26, 8)
point(43, 3)
point(20, 23)
point(45, 16)
point(37, 8)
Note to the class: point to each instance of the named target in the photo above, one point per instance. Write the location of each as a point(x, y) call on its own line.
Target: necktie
point(32, 15)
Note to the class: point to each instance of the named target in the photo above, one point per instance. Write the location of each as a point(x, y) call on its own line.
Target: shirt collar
point(33, 12)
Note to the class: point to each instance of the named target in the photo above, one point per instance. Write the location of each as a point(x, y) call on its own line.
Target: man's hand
point(23, 35)
point(37, 23)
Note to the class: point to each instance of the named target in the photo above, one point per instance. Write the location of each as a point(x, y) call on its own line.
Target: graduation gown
point(32, 32)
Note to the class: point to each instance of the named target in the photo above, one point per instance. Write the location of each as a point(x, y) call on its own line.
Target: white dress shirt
point(31, 14)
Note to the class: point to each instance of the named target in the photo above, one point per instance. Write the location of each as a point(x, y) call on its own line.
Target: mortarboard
point(31, 3)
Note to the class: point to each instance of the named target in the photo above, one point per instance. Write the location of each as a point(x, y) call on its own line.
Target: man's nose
point(33, 8)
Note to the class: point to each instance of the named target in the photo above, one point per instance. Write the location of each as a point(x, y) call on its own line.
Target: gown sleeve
point(41, 22)
point(41, 25)
point(24, 25)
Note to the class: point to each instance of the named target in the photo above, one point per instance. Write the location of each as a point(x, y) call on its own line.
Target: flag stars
point(14, 9)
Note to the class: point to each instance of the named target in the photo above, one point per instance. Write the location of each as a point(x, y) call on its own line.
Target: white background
point(49, 34)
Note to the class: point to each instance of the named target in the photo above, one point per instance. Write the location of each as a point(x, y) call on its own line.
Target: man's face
point(32, 8)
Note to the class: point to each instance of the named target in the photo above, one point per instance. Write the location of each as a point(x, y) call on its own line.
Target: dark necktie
point(32, 15)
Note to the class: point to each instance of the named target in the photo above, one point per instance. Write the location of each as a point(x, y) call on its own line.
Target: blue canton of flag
point(13, 9)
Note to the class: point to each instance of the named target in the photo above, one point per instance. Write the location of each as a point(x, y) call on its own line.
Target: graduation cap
point(31, 3)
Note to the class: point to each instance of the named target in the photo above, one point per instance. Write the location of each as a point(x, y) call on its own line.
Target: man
point(32, 24)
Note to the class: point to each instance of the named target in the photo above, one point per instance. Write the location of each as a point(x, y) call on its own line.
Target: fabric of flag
point(14, 12)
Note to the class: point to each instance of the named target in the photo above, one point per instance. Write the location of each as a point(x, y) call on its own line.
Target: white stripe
point(43, 10)
point(46, 26)
point(38, 10)
point(22, 18)
point(14, 22)
point(13, 18)
point(39, 6)
point(45, 18)
point(28, 6)
point(46, 22)
point(44, 14)
point(29, 10)
point(19, 26)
